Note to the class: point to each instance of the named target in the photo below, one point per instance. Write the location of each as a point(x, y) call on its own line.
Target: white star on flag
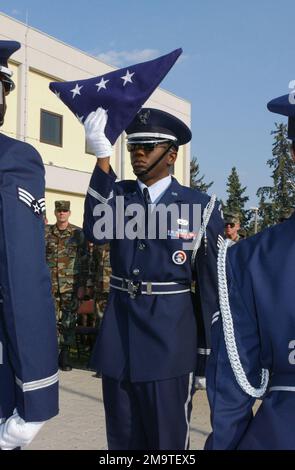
point(127, 77)
point(102, 84)
point(76, 90)
point(80, 118)
point(57, 93)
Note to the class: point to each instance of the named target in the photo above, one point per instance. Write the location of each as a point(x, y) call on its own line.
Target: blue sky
point(237, 56)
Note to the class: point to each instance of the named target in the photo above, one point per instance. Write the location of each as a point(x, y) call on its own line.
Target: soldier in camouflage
point(99, 274)
point(67, 258)
point(103, 272)
point(232, 226)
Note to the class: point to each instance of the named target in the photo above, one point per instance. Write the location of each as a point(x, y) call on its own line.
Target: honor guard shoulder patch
point(37, 206)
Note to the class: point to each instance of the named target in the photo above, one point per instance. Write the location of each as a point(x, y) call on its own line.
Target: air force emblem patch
point(179, 257)
point(37, 206)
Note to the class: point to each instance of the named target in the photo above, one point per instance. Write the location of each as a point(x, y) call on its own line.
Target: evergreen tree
point(276, 199)
point(236, 199)
point(197, 181)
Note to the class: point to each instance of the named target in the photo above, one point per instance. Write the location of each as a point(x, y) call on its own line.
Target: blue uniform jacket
point(153, 337)
point(261, 280)
point(28, 344)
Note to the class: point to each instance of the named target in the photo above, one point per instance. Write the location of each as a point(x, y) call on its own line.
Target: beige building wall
point(43, 59)
point(10, 124)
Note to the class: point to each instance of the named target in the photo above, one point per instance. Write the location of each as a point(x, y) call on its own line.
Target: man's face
point(231, 230)
point(62, 216)
point(143, 157)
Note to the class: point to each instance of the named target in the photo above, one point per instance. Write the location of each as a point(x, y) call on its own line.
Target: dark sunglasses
point(231, 224)
point(8, 85)
point(146, 146)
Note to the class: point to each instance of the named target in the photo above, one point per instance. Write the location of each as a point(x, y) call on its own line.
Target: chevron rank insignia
point(37, 206)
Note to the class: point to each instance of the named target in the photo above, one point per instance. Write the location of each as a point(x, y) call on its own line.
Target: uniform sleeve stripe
point(25, 193)
point(98, 196)
point(25, 198)
point(215, 320)
point(203, 351)
point(21, 198)
point(37, 384)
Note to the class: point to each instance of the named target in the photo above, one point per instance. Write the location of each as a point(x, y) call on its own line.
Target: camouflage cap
point(231, 218)
point(286, 213)
point(62, 205)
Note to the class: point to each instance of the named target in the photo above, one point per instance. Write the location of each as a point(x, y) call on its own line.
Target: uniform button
point(142, 246)
point(135, 271)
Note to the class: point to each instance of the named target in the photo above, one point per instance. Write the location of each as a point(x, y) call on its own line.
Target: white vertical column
point(186, 164)
point(123, 155)
point(22, 102)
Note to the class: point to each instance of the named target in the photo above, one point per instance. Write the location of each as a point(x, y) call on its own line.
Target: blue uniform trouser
point(148, 415)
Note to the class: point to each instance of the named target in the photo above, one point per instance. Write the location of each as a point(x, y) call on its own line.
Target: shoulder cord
point(228, 329)
point(206, 217)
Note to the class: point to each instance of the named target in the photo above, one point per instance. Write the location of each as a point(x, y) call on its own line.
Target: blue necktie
point(146, 196)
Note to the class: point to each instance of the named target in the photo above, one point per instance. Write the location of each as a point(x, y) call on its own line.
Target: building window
point(51, 128)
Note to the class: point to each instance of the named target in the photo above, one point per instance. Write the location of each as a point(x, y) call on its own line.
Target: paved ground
point(80, 424)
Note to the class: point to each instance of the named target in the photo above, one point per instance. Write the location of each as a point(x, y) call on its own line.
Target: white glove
point(95, 136)
point(15, 432)
point(200, 383)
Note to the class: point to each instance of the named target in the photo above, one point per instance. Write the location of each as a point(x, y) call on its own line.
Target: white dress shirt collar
point(157, 189)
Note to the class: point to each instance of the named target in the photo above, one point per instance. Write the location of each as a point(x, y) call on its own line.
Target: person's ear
point(172, 156)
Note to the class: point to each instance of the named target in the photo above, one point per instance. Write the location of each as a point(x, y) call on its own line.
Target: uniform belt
point(135, 288)
point(282, 382)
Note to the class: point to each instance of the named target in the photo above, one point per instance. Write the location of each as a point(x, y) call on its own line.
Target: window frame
point(44, 141)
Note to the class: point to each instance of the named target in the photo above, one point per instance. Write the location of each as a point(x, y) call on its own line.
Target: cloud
point(121, 58)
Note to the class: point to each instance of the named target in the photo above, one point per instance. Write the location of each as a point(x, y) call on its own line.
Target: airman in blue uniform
point(28, 343)
point(253, 336)
point(153, 338)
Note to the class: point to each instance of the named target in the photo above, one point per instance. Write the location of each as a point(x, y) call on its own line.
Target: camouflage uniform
point(67, 258)
point(100, 271)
